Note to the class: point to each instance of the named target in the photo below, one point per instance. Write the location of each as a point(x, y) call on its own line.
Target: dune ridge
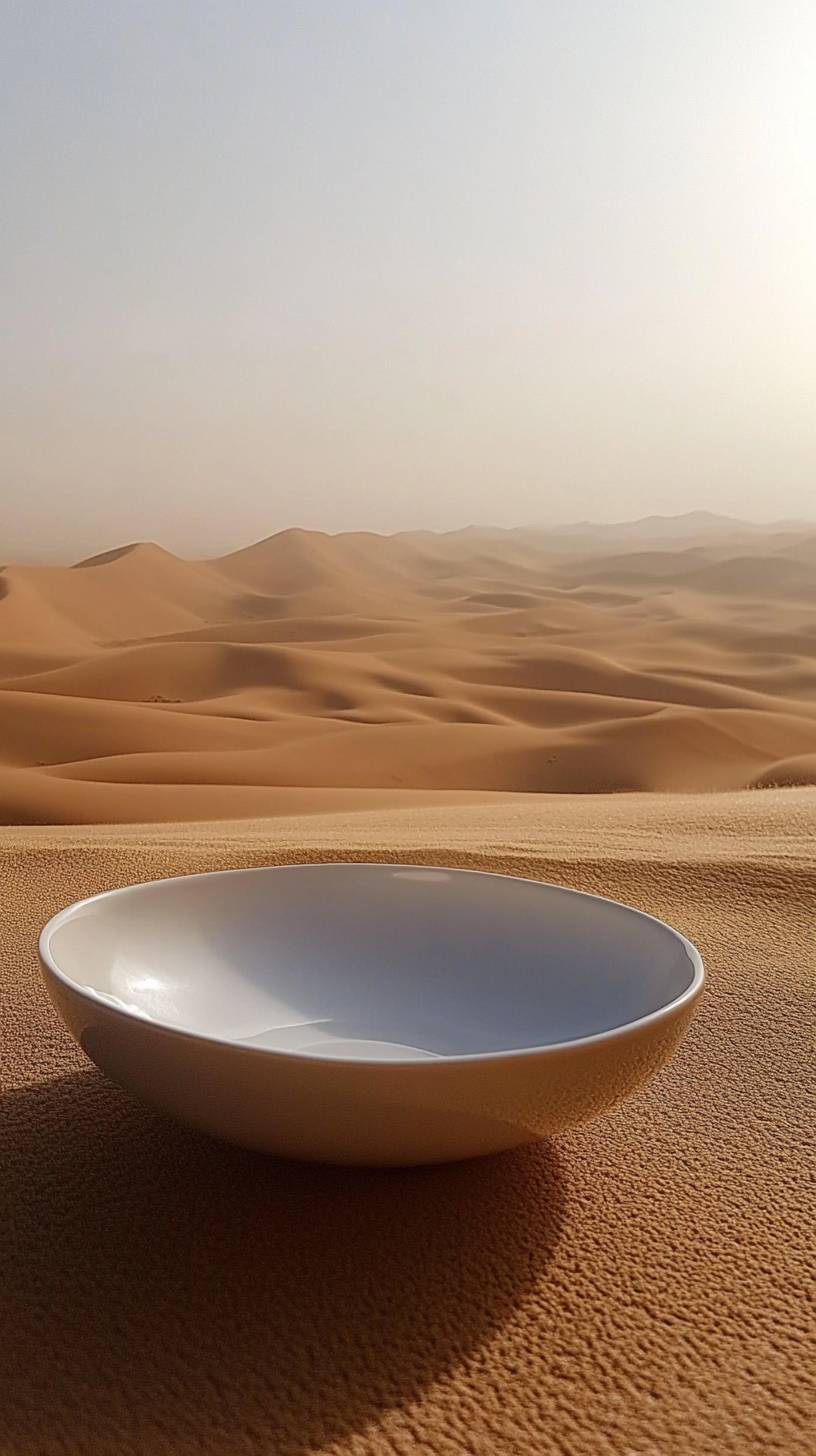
point(666, 655)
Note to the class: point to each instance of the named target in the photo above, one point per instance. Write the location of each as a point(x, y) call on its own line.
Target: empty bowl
point(370, 1013)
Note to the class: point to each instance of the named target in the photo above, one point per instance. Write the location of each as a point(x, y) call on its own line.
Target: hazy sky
point(388, 263)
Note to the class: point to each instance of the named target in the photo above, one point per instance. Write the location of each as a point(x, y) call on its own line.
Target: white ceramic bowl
point(368, 1013)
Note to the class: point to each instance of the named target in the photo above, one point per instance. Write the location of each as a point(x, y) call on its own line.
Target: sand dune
point(658, 655)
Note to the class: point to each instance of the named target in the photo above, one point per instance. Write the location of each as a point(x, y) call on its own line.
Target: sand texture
point(312, 672)
point(642, 1287)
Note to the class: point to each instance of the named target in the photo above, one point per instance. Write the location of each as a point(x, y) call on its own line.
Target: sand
point(310, 672)
point(559, 705)
point(642, 1287)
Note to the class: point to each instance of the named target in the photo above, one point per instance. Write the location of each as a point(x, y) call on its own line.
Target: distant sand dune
point(788, 773)
point(659, 656)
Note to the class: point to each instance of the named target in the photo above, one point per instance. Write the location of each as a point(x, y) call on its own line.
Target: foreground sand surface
point(311, 672)
point(642, 1287)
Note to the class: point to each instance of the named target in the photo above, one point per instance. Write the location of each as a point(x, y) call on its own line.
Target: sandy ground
point(642, 1287)
point(307, 670)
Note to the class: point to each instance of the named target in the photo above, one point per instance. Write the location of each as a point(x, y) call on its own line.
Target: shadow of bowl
point(158, 1289)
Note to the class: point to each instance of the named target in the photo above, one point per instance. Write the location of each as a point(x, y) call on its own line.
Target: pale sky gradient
point(393, 263)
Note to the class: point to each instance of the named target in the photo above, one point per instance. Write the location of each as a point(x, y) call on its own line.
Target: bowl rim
point(666, 1012)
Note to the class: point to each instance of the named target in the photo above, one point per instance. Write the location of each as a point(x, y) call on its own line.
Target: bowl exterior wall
point(367, 1113)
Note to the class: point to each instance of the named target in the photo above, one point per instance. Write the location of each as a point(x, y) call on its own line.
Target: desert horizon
point(309, 671)
point(654, 527)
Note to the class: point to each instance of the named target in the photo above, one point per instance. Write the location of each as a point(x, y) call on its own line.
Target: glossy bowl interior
point(360, 965)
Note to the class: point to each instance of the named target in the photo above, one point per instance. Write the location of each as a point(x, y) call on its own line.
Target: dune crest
point(657, 655)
